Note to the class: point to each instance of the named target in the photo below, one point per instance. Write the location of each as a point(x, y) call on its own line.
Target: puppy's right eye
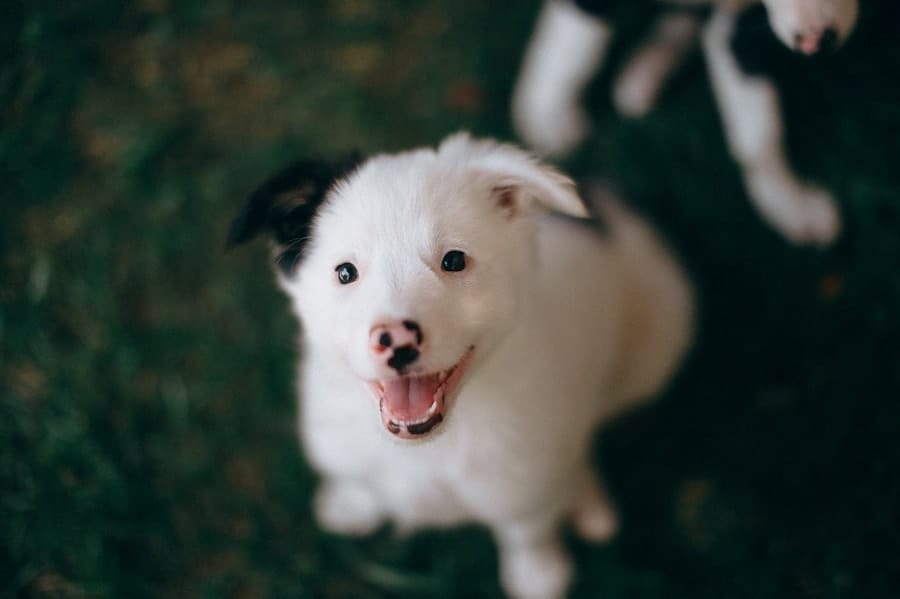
point(454, 261)
point(346, 273)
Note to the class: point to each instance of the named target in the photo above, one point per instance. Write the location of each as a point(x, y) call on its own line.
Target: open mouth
point(413, 406)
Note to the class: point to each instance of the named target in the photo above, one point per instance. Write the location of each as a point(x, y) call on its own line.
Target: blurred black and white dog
point(463, 339)
point(569, 45)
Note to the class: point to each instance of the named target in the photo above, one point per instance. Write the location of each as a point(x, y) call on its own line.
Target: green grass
point(146, 403)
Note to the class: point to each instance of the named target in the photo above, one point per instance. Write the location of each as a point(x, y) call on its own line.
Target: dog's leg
point(752, 119)
point(594, 515)
point(638, 86)
point(533, 562)
point(566, 49)
point(347, 507)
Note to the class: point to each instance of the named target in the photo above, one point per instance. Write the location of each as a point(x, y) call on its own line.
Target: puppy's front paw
point(595, 521)
point(348, 509)
point(594, 516)
point(635, 92)
point(637, 88)
point(823, 220)
point(551, 128)
point(536, 572)
point(804, 214)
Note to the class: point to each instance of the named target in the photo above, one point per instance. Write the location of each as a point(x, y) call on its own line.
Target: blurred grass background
point(146, 403)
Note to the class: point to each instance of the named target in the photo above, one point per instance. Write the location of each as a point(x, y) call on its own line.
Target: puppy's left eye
point(346, 273)
point(454, 261)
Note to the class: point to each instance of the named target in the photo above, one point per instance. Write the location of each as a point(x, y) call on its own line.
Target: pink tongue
point(410, 398)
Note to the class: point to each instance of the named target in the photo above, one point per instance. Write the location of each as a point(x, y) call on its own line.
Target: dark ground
point(146, 442)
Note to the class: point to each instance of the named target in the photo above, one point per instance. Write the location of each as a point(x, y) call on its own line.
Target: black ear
point(286, 203)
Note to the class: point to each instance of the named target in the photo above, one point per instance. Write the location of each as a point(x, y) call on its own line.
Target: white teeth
point(433, 407)
point(432, 410)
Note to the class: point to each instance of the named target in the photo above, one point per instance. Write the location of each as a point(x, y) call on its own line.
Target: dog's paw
point(594, 516)
point(347, 509)
point(804, 214)
point(595, 521)
point(635, 92)
point(536, 572)
point(552, 129)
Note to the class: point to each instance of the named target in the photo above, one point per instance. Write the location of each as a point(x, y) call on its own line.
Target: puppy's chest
point(421, 484)
point(464, 473)
point(452, 480)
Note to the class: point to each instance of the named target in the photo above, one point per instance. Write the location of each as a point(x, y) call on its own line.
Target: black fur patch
point(599, 8)
point(754, 44)
point(285, 205)
point(606, 9)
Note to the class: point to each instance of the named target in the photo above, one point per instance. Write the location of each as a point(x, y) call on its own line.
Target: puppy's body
point(570, 44)
point(599, 326)
point(559, 327)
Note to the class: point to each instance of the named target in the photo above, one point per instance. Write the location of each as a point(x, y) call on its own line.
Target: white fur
point(565, 52)
point(569, 329)
point(805, 17)
point(546, 100)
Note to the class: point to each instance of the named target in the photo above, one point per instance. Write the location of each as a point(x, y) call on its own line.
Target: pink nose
point(397, 342)
point(825, 41)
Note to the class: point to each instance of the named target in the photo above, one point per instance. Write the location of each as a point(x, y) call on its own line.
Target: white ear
point(518, 179)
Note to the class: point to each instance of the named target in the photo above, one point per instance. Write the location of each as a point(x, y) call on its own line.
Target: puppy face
point(412, 268)
point(812, 26)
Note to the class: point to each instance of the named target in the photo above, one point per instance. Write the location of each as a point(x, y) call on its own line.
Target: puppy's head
point(812, 26)
point(408, 269)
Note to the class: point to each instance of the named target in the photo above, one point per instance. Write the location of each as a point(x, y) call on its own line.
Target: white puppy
point(464, 340)
point(570, 43)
